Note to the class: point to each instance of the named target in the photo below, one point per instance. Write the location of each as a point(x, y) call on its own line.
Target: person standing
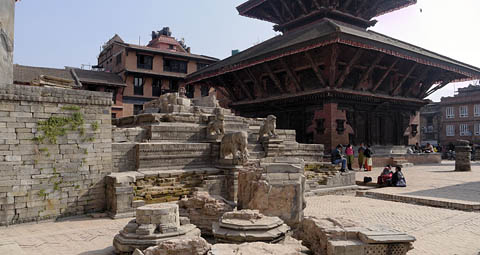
point(368, 158)
point(350, 156)
point(361, 157)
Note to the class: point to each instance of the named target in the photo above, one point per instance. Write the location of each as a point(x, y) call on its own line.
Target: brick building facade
point(152, 70)
point(461, 116)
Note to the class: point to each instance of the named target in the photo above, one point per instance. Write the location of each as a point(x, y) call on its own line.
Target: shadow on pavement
point(466, 192)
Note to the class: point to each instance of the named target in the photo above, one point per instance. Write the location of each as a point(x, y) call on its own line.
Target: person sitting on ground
point(416, 148)
point(338, 158)
point(398, 179)
point(429, 148)
point(385, 178)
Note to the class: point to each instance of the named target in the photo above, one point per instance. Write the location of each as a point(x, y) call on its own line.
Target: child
point(350, 156)
point(368, 158)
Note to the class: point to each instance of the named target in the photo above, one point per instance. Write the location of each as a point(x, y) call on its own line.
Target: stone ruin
point(179, 146)
point(153, 225)
point(343, 237)
point(249, 226)
point(203, 210)
point(275, 189)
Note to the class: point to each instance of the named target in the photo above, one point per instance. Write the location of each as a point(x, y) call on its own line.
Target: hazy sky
point(58, 33)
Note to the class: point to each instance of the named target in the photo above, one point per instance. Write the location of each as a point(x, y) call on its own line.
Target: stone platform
point(432, 185)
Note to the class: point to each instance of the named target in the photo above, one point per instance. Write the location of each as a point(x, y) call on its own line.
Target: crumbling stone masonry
point(55, 150)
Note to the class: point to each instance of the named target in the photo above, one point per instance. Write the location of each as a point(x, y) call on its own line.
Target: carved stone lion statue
point(235, 143)
point(268, 127)
point(216, 126)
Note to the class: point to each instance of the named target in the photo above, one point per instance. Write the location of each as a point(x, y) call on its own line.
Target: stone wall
point(55, 150)
point(123, 147)
point(7, 13)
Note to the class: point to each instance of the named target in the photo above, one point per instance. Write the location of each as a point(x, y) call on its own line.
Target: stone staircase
point(401, 162)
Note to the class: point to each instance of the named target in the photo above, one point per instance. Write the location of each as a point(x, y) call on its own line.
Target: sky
point(58, 33)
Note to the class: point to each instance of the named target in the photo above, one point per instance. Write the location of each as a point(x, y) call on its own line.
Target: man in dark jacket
point(338, 158)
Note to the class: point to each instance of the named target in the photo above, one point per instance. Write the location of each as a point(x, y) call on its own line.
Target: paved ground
point(436, 181)
point(85, 236)
point(438, 231)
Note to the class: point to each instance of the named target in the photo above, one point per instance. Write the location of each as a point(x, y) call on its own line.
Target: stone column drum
point(463, 156)
point(7, 14)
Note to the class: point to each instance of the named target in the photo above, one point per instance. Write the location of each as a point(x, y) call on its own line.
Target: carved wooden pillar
point(7, 13)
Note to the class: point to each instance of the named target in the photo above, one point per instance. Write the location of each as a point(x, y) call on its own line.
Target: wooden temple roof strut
point(242, 85)
point(405, 78)
point(370, 70)
point(348, 69)
point(385, 75)
point(317, 5)
point(315, 68)
point(277, 12)
point(440, 86)
point(227, 88)
point(417, 81)
point(333, 66)
point(292, 75)
point(285, 6)
point(255, 80)
point(273, 77)
point(304, 9)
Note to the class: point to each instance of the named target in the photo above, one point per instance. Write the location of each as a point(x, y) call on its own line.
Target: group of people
point(365, 160)
point(388, 178)
point(419, 149)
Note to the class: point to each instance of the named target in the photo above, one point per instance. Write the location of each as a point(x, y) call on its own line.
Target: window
point(157, 88)
point(464, 130)
point(173, 86)
point(450, 112)
point(430, 129)
point(477, 128)
point(477, 110)
point(138, 83)
point(118, 59)
point(204, 90)
point(450, 130)
point(176, 66)
point(171, 47)
point(144, 62)
point(463, 111)
point(114, 115)
point(201, 65)
point(137, 108)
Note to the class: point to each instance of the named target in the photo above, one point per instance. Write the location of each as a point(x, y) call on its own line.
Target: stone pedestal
point(249, 226)
point(7, 14)
point(153, 225)
point(463, 156)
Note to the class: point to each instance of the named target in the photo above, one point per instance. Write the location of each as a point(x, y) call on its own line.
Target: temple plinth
point(330, 78)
